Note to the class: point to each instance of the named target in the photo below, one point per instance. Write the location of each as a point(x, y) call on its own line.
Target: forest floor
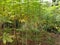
point(57, 38)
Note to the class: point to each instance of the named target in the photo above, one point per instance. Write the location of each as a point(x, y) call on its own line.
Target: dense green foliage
point(28, 21)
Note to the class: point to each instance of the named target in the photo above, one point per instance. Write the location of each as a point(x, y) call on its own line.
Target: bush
point(28, 22)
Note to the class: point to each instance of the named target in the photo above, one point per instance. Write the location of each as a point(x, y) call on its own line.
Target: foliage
point(28, 20)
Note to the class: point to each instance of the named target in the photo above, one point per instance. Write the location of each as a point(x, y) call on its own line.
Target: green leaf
point(4, 40)
point(9, 40)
